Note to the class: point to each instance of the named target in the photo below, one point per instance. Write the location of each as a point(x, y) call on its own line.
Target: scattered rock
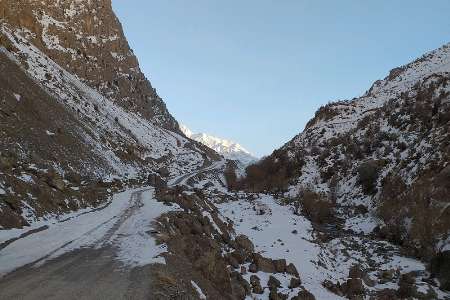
point(264, 264)
point(256, 284)
point(386, 294)
point(356, 272)
point(280, 265)
point(243, 270)
point(253, 268)
point(304, 295)
point(55, 181)
point(244, 243)
point(354, 286)
point(386, 275)
point(292, 270)
point(332, 287)
point(295, 283)
point(273, 283)
point(274, 295)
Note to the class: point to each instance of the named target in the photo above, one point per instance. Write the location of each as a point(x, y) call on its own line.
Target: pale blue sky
point(255, 71)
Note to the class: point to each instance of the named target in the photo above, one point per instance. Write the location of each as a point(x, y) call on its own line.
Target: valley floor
point(278, 233)
point(110, 253)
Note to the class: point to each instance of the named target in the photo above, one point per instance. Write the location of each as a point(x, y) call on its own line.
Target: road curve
point(86, 273)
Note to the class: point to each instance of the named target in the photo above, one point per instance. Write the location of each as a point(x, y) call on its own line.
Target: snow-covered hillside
point(382, 160)
point(229, 149)
point(89, 113)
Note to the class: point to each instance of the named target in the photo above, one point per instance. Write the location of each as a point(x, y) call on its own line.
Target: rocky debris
point(274, 295)
point(292, 270)
point(386, 275)
point(156, 181)
point(73, 177)
point(355, 272)
point(256, 284)
point(353, 287)
point(335, 288)
point(195, 244)
point(294, 283)
point(273, 283)
point(280, 265)
point(163, 172)
point(387, 294)
point(240, 287)
point(253, 268)
point(304, 295)
point(55, 181)
point(7, 161)
point(245, 243)
point(263, 264)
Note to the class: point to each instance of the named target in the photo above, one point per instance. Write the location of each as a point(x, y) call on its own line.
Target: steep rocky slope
point(76, 111)
point(86, 39)
point(379, 162)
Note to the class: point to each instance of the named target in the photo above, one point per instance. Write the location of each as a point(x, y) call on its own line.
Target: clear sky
point(255, 71)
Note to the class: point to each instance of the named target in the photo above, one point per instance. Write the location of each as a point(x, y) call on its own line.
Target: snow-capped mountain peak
point(229, 149)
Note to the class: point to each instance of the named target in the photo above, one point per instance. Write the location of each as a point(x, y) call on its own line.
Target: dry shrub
point(272, 174)
point(413, 215)
point(230, 176)
point(368, 176)
point(316, 207)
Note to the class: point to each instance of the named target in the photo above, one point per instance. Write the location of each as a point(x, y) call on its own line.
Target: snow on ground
point(103, 117)
point(272, 235)
point(123, 223)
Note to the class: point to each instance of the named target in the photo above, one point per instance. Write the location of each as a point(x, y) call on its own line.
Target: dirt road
point(89, 272)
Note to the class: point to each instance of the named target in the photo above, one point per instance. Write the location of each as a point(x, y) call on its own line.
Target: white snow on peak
point(229, 149)
point(187, 132)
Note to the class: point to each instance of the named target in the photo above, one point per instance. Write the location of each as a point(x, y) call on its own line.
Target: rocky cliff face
point(77, 112)
point(86, 39)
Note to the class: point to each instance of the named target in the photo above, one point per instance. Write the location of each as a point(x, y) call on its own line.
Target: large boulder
point(273, 283)
point(304, 295)
point(280, 265)
point(353, 287)
point(295, 283)
point(292, 270)
point(256, 284)
point(244, 242)
point(356, 272)
point(264, 264)
point(55, 181)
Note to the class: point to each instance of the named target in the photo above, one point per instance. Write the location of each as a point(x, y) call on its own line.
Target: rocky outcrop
point(86, 38)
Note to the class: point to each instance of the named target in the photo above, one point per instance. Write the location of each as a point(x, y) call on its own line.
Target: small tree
point(368, 175)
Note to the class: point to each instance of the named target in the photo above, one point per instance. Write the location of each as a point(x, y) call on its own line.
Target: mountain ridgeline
point(103, 195)
point(386, 153)
point(77, 113)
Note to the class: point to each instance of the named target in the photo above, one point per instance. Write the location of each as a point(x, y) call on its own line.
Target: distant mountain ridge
point(229, 149)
